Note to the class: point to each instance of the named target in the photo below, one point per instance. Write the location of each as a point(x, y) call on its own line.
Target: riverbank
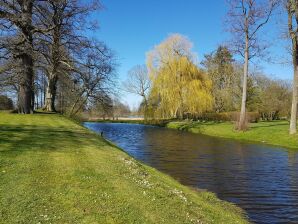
point(53, 170)
point(273, 132)
point(160, 123)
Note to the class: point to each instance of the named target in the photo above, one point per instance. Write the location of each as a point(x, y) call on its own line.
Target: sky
point(133, 27)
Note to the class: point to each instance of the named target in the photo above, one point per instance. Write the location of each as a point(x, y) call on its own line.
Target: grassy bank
point(274, 132)
point(55, 171)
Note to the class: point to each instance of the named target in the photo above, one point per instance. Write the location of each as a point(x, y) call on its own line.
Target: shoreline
point(80, 177)
point(271, 133)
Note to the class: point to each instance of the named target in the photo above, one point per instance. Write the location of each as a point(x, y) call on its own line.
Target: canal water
point(261, 179)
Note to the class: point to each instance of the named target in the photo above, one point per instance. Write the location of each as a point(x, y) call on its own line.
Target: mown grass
point(274, 132)
point(52, 170)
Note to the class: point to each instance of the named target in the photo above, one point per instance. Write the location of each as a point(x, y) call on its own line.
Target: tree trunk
point(55, 60)
point(242, 119)
point(293, 121)
point(51, 94)
point(146, 108)
point(26, 59)
point(293, 35)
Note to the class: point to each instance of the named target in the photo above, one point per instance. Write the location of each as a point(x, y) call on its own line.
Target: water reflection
point(263, 180)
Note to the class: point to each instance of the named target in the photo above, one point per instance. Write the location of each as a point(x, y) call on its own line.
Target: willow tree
point(178, 86)
point(245, 19)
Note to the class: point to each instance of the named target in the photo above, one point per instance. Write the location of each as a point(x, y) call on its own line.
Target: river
point(261, 179)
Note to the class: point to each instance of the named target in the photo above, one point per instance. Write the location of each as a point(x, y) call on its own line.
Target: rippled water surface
point(263, 180)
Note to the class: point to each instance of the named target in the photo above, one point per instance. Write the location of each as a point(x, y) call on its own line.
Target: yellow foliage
point(179, 86)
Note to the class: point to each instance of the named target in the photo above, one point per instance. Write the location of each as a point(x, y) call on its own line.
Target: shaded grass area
point(52, 170)
point(274, 132)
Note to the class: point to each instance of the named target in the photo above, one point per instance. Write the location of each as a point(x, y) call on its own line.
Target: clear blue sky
point(133, 27)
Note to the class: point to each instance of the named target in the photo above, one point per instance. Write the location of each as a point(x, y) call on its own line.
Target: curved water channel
point(263, 180)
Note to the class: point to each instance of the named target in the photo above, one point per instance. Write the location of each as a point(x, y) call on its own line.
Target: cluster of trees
point(177, 86)
point(174, 86)
point(114, 109)
point(47, 60)
point(171, 84)
point(271, 98)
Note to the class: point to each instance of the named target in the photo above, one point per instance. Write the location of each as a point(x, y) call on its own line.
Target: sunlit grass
point(55, 171)
point(274, 132)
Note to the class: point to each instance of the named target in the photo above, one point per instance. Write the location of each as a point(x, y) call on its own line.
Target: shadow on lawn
point(41, 138)
point(269, 125)
point(199, 126)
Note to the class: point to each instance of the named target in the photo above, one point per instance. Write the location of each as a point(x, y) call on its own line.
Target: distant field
point(53, 170)
point(273, 132)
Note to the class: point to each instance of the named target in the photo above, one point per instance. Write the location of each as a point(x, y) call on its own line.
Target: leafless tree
point(292, 10)
point(93, 76)
point(138, 83)
point(68, 21)
point(245, 19)
point(17, 30)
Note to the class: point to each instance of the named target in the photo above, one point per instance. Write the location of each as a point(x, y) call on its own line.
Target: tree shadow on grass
point(269, 125)
point(198, 126)
point(40, 138)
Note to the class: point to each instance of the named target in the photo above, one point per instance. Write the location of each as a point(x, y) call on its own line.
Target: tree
point(5, 103)
point(219, 66)
point(16, 19)
point(245, 19)
point(275, 97)
point(119, 109)
point(139, 83)
point(92, 76)
point(68, 21)
point(292, 10)
point(178, 85)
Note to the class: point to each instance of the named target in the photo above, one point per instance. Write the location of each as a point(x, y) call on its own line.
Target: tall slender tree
point(292, 10)
point(245, 19)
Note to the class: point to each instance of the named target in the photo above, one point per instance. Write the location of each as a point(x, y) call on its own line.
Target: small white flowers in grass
point(87, 177)
point(179, 194)
point(105, 195)
point(144, 183)
point(138, 175)
point(45, 217)
point(3, 171)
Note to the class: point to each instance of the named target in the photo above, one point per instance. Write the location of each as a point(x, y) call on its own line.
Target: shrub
point(6, 103)
point(252, 117)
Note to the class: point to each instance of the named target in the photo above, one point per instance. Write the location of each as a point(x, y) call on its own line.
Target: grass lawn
point(274, 132)
point(52, 170)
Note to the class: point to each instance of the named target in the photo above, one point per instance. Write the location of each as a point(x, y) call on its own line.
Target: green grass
point(274, 132)
point(53, 170)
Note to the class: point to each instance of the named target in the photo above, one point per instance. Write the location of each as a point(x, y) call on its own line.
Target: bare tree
point(16, 18)
point(138, 83)
point(245, 19)
point(292, 10)
point(93, 76)
point(68, 19)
